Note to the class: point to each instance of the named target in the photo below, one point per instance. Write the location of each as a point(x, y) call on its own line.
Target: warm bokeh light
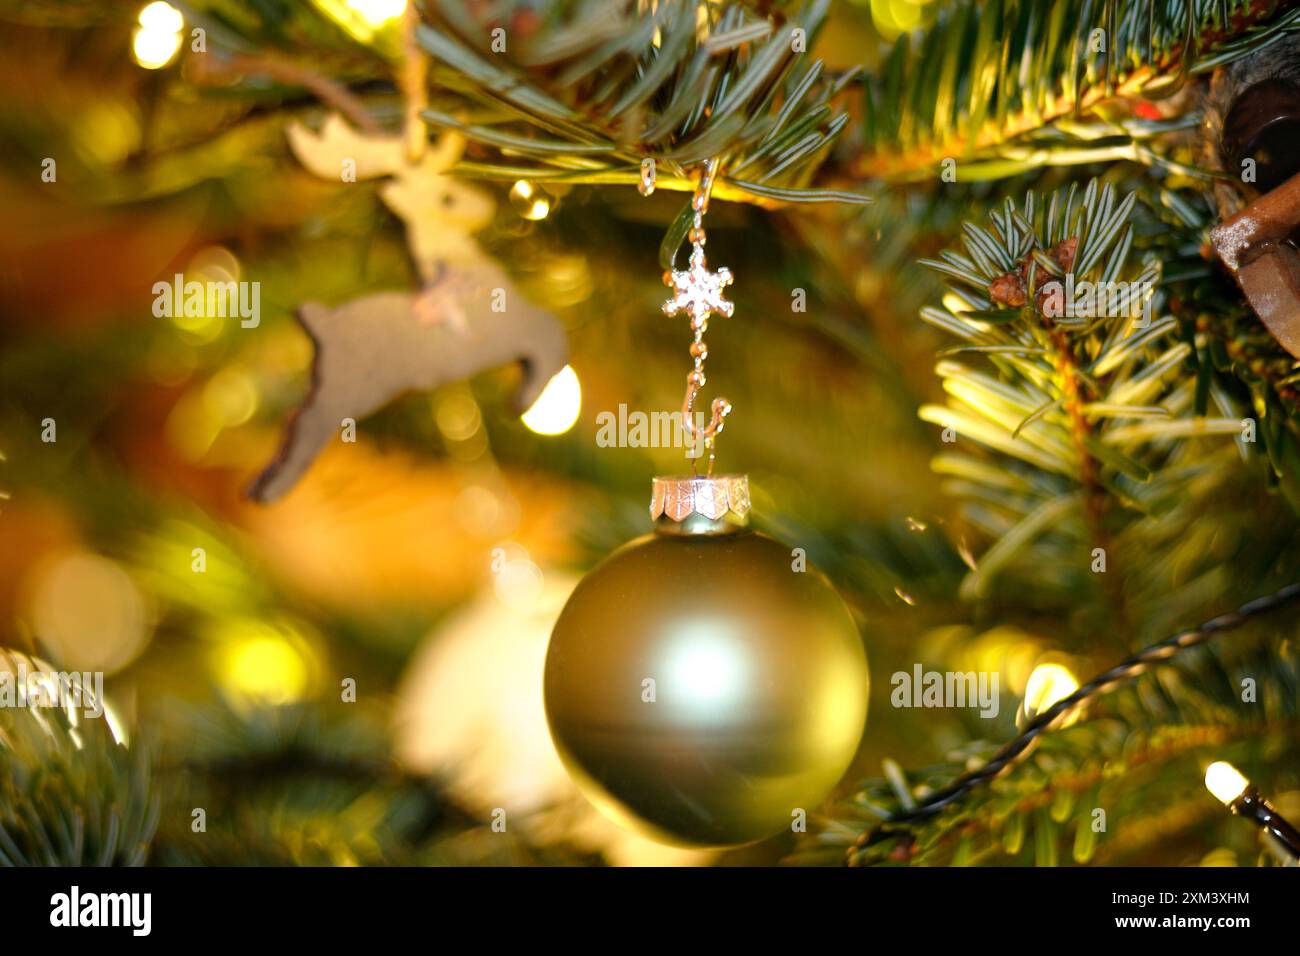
point(158, 38)
point(377, 12)
point(154, 49)
point(230, 397)
point(529, 202)
point(1225, 781)
point(1048, 684)
point(161, 16)
point(519, 583)
point(86, 611)
point(371, 22)
point(260, 667)
point(556, 409)
point(894, 17)
point(211, 264)
point(458, 415)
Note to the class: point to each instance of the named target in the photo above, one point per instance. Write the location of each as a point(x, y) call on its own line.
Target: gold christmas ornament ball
point(703, 686)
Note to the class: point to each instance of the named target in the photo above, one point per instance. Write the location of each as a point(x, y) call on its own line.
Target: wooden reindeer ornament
point(468, 317)
point(441, 213)
point(373, 348)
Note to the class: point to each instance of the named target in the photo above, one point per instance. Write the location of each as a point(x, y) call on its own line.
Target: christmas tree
point(335, 355)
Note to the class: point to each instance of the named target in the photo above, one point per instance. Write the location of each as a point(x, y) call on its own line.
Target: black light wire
point(1018, 748)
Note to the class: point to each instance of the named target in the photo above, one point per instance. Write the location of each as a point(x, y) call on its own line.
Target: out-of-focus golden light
point(213, 264)
point(1225, 781)
point(568, 280)
point(372, 22)
point(108, 131)
point(529, 202)
point(198, 418)
point(487, 508)
point(557, 408)
point(893, 17)
point(87, 611)
point(154, 49)
point(158, 38)
point(210, 265)
point(230, 397)
point(1047, 684)
point(263, 668)
point(162, 17)
point(458, 415)
point(519, 584)
point(191, 427)
point(376, 13)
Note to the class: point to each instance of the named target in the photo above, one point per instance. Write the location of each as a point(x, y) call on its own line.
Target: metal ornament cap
point(692, 504)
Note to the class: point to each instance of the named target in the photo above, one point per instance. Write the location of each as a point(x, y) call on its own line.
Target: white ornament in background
point(470, 709)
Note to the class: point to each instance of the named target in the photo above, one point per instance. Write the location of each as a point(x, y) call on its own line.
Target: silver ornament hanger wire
point(698, 293)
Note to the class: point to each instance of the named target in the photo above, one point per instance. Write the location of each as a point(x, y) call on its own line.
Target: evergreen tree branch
point(1211, 699)
point(1000, 86)
point(592, 93)
point(70, 795)
point(1077, 439)
point(1089, 770)
point(1007, 69)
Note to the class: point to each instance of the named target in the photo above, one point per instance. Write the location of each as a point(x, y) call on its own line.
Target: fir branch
point(1234, 352)
point(294, 785)
point(1008, 69)
point(1083, 771)
point(589, 95)
point(70, 795)
point(1198, 710)
point(1075, 398)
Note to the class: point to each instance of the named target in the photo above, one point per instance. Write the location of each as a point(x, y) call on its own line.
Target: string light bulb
point(556, 409)
point(376, 13)
point(1231, 788)
point(157, 39)
point(1225, 781)
point(530, 202)
point(1047, 684)
point(161, 16)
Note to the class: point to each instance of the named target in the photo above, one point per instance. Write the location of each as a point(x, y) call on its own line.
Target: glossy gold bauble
point(702, 689)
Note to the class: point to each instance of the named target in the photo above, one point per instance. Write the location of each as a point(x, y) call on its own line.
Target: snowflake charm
point(698, 291)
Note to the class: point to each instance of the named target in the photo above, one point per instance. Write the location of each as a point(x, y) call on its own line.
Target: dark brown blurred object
point(1253, 128)
point(1255, 245)
point(1264, 126)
